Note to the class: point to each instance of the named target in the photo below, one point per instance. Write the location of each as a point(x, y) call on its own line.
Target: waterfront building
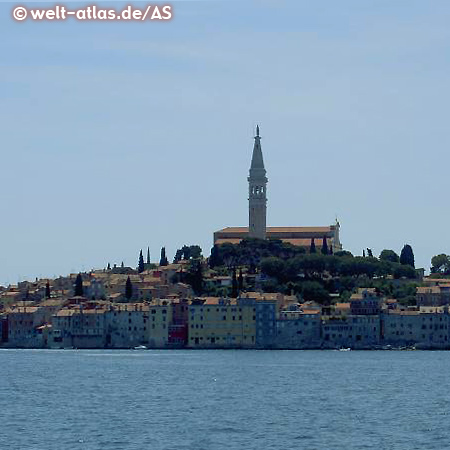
point(221, 323)
point(266, 307)
point(257, 215)
point(357, 332)
point(133, 324)
point(79, 327)
point(420, 328)
point(22, 325)
point(298, 329)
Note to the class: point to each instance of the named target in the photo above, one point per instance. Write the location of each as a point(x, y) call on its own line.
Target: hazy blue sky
point(115, 136)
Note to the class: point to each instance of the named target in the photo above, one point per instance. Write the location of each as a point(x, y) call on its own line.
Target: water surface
point(214, 400)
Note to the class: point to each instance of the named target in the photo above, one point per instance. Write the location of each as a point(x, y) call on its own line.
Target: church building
point(257, 212)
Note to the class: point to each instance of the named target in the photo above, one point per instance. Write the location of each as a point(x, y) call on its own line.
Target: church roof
point(274, 230)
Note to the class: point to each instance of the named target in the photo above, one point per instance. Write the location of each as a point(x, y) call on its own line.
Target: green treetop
point(79, 286)
point(407, 256)
point(141, 266)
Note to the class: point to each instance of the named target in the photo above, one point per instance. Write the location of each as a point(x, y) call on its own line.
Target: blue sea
point(214, 400)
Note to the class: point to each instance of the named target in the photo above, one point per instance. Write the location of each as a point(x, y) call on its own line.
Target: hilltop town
point(157, 307)
point(261, 287)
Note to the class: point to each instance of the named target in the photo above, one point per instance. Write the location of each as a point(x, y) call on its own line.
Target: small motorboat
point(140, 347)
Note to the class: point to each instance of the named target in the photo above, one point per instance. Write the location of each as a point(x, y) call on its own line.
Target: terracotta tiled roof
point(280, 230)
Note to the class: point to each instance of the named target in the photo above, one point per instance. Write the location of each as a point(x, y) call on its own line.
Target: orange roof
point(212, 301)
point(270, 230)
point(342, 306)
point(311, 311)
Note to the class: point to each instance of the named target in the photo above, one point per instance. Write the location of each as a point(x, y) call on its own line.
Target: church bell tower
point(257, 200)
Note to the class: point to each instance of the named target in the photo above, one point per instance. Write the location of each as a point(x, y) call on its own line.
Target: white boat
point(140, 347)
point(345, 349)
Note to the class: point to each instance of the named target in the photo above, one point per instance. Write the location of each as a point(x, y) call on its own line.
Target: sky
point(116, 136)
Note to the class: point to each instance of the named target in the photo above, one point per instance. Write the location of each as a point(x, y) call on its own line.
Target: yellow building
point(221, 323)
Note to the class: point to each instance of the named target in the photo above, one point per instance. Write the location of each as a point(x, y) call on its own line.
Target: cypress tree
point(163, 261)
point(148, 255)
point(141, 266)
point(407, 256)
point(128, 289)
point(364, 253)
point(324, 246)
point(79, 286)
point(369, 253)
point(196, 276)
point(109, 266)
point(47, 290)
point(234, 285)
point(122, 265)
point(312, 248)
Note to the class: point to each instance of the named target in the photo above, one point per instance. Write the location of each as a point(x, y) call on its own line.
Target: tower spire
point(257, 165)
point(257, 182)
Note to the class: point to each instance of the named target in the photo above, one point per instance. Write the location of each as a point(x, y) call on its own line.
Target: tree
point(389, 255)
point(314, 291)
point(141, 266)
point(215, 260)
point(273, 267)
point(404, 271)
point(163, 261)
point(312, 248)
point(240, 281)
point(148, 255)
point(369, 253)
point(407, 256)
point(343, 253)
point(440, 264)
point(178, 255)
point(234, 284)
point(122, 265)
point(128, 289)
point(109, 266)
point(79, 286)
point(324, 246)
point(195, 276)
point(194, 251)
point(47, 290)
